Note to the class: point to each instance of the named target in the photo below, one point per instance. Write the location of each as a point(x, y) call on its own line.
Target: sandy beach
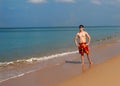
point(70, 72)
point(59, 43)
point(104, 74)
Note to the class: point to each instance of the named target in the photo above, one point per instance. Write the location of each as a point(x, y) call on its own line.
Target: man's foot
point(91, 63)
point(82, 64)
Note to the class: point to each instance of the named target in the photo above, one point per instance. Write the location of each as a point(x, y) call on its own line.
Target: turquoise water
point(21, 43)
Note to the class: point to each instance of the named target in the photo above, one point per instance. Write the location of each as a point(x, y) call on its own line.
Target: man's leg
point(82, 59)
point(89, 59)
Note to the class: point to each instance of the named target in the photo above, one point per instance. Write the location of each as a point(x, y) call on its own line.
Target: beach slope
point(104, 74)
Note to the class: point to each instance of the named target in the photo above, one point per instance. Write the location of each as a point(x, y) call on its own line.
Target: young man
point(83, 44)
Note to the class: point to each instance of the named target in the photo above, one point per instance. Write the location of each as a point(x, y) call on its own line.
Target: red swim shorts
point(83, 48)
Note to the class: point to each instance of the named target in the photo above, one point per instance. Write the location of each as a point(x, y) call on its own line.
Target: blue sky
point(40, 13)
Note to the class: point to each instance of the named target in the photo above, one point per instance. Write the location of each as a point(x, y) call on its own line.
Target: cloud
point(105, 2)
point(37, 1)
point(43, 1)
point(96, 2)
point(114, 2)
point(66, 1)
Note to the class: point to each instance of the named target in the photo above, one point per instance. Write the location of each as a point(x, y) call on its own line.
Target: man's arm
point(75, 40)
point(89, 38)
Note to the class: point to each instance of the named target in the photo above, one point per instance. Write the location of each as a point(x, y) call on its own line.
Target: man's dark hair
point(81, 26)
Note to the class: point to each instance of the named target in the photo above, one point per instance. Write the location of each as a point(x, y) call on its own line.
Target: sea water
point(42, 43)
point(20, 43)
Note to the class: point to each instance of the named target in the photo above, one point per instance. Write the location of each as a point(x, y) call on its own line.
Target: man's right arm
point(75, 40)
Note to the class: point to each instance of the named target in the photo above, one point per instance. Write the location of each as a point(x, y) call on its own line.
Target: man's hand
point(77, 45)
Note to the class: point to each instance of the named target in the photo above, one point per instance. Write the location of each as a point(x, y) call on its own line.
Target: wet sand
point(68, 72)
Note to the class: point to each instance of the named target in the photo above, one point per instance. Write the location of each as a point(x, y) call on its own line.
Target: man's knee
point(82, 56)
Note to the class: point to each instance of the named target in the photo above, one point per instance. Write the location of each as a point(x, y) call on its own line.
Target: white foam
point(38, 58)
point(17, 76)
point(22, 74)
point(50, 57)
point(12, 77)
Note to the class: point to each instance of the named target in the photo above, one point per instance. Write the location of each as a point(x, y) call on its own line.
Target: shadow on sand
point(73, 62)
point(84, 67)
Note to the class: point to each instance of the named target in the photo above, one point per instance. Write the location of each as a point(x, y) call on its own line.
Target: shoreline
point(60, 67)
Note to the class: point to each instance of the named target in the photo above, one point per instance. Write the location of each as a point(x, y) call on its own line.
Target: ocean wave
point(35, 59)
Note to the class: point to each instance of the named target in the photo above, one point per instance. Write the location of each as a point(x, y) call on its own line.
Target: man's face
point(81, 29)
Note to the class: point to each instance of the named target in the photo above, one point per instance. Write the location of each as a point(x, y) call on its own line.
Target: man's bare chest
point(81, 35)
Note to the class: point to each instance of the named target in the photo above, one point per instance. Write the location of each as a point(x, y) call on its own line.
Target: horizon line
point(59, 26)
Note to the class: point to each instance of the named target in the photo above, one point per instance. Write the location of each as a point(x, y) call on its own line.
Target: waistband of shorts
point(82, 43)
